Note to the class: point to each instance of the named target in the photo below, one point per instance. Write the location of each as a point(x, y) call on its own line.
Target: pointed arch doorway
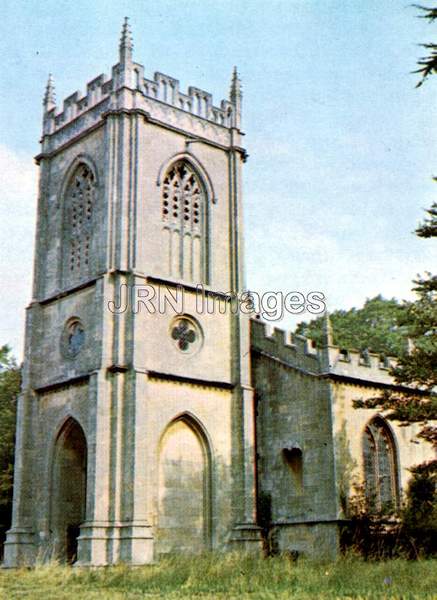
point(184, 489)
point(68, 490)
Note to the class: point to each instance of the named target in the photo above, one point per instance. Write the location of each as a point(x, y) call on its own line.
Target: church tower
point(135, 432)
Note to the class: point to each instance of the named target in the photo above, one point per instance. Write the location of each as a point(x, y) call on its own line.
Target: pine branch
point(406, 408)
point(431, 13)
point(428, 64)
point(429, 227)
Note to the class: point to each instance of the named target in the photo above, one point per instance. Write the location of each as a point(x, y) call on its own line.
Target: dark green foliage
point(265, 522)
point(371, 536)
point(9, 390)
point(429, 226)
point(401, 406)
point(427, 64)
point(411, 532)
point(419, 518)
point(374, 327)
point(416, 370)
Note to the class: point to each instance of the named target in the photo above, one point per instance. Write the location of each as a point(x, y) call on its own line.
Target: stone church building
point(146, 432)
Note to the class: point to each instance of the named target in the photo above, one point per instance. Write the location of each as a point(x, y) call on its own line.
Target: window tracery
point(79, 199)
point(380, 473)
point(183, 212)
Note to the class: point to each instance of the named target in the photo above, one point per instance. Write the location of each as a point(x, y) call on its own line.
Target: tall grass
point(229, 576)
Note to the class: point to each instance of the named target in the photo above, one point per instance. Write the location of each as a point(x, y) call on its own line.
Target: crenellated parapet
point(301, 353)
point(196, 101)
point(353, 364)
point(290, 349)
point(162, 88)
point(128, 89)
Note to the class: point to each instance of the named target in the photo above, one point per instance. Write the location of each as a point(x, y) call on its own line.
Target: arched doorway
point(68, 490)
point(184, 495)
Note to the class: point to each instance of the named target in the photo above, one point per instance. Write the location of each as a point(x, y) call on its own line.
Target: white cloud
point(343, 254)
point(18, 181)
point(348, 252)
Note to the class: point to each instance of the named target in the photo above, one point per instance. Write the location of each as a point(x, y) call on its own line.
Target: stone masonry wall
point(294, 414)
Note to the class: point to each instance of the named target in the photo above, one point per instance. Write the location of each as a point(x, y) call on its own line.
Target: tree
point(374, 327)
point(429, 226)
point(10, 381)
point(427, 64)
point(416, 371)
point(419, 517)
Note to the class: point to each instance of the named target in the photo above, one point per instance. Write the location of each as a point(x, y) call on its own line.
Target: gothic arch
point(185, 218)
point(196, 165)
point(68, 488)
point(196, 424)
point(78, 198)
point(380, 465)
point(82, 157)
point(67, 420)
point(184, 503)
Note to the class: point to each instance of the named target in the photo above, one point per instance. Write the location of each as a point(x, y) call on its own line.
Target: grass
point(216, 577)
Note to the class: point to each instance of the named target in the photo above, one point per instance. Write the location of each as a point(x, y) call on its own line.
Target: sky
point(341, 143)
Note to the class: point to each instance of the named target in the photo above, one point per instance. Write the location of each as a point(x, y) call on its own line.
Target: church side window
point(380, 475)
point(184, 213)
point(78, 229)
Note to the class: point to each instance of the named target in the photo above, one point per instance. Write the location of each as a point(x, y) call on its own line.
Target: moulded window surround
point(184, 214)
point(73, 338)
point(186, 334)
point(380, 467)
point(79, 207)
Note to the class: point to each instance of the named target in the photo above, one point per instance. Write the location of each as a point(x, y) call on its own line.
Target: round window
point(186, 334)
point(73, 338)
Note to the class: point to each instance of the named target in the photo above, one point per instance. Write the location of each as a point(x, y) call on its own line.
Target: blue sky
point(341, 143)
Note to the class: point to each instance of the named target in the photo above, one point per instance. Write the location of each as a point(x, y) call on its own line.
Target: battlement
point(290, 348)
point(300, 352)
point(128, 88)
point(75, 104)
point(196, 101)
point(162, 88)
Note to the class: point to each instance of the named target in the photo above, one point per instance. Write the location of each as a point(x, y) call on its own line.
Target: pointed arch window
point(79, 206)
point(380, 467)
point(184, 218)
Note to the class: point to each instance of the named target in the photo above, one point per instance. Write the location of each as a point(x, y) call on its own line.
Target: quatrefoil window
point(186, 334)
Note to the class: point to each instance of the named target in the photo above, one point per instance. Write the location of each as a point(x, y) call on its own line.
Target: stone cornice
point(162, 376)
point(138, 111)
point(63, 383)
point(51, 153)
point(67, 292)
point(190, 380)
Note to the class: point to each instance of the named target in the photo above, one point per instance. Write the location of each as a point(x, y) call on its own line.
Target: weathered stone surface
point(166, 458)
point(144, 430)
